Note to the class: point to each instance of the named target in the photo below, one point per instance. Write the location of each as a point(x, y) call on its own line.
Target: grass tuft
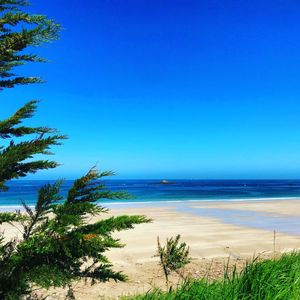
point(265, 280)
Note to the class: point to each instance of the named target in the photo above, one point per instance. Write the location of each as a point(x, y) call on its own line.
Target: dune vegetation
point(260, 279)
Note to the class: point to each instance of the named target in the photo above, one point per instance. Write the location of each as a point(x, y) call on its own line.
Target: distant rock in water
point(165, 182)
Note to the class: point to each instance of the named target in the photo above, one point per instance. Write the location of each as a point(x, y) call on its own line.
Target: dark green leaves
point(16, 158)
point(113, 224)
point(18, 31)
point(86, 189)
point(9, 128)
point(60, 242)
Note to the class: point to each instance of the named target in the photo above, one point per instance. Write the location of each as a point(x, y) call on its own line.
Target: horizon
point(181, 89)
point(169, 179)
point(160, 157)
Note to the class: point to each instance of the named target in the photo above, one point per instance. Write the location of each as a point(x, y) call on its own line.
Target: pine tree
point(18, 31)
point(58, 244)
point(16, 158)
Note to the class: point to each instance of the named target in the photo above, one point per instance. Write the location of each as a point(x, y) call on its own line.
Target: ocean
point(177, 190)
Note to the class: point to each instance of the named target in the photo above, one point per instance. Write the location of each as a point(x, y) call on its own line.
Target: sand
point(211, 239)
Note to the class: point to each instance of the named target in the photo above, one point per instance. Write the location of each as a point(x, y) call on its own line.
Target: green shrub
point(173, 256)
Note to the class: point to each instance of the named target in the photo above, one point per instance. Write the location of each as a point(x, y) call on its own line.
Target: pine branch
point(112, 224)
point(16, 160)
point(103, 273)
point(88, 189)
point(12, 4)
point(8, 127)
point(18, 31)
point(60, 245)
point(19, 81)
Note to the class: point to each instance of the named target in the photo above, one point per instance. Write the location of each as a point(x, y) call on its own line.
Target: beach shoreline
point(163, 202)
point(211, 238)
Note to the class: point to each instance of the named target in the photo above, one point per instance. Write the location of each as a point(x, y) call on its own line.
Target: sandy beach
point(214, 231)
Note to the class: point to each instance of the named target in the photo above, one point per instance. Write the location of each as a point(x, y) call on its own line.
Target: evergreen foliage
point(18, 31)
point(173, 256)
point(60, 244)
point(16, 159)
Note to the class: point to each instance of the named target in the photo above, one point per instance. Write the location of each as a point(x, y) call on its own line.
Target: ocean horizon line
point(154, 191)
point(165, 178)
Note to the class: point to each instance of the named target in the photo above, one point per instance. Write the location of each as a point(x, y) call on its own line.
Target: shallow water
point(281, 223)
point(248, 218)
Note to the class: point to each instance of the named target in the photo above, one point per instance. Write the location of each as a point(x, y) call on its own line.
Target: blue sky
point(171, 89)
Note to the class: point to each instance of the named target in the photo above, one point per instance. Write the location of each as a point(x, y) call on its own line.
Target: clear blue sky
point(171, 89)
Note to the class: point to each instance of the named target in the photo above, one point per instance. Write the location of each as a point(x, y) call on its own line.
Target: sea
point(153, 191)
point(180, 195)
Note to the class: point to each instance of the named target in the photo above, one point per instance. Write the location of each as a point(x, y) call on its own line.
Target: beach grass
point(267, 279)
